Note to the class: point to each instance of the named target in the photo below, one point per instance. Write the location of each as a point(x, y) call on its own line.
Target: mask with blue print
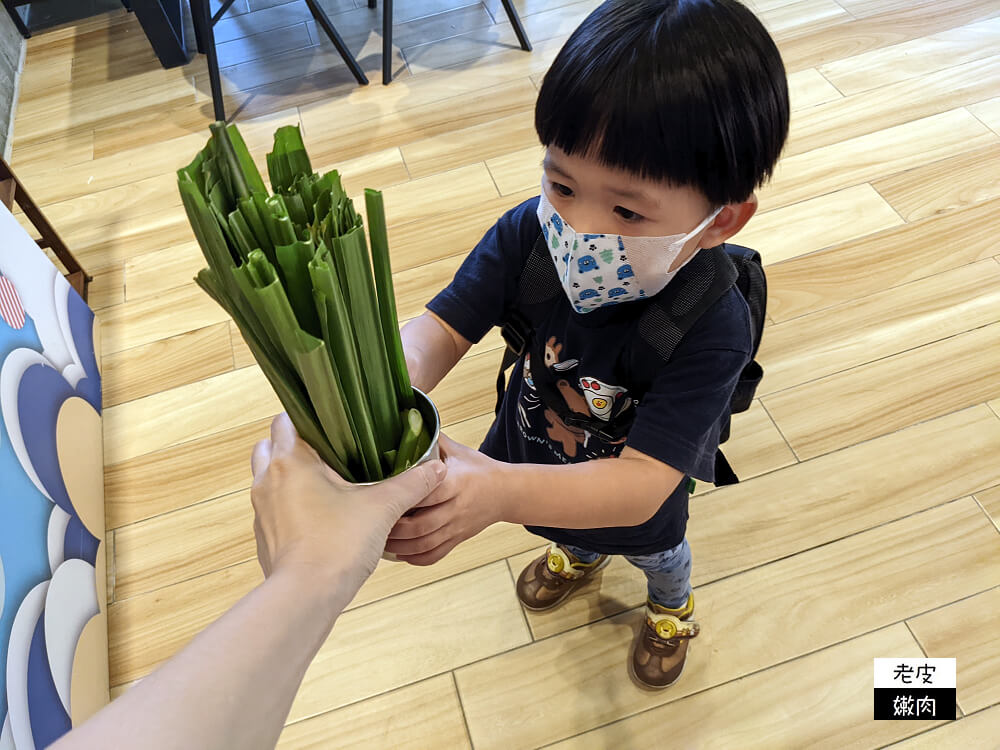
point(597, 270)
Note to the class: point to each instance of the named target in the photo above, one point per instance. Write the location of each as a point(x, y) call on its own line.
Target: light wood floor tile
point(896, 256)
point(373, 127)
point(820, 700)
point(107, 288)
point(256, 46)
point(881, 325)
point(914, 59)
point(896, 104)
point(455, 190)
point(808, 88)
point(418, 286)
point(476, 143)
point(179, 476)
point(157, 160)
point(888, 23)
point(804, 506)
point(473, 431)
point(377, 171)
point(184, 544)
point(59, 109)
point(262, 21)
point(187, 413)
point(756, 446)
point(167, 363)
point(128, 236)
point(462, 48)
point(145, 631)
point(800, 17)
point(496, 543)
point(365, 103)
point(449, 233)
point(520, 170)
point(944, 185)
point(820, 222)
point(150, 274)
point(242, 356)
point(416, 717)
point(469, 389)
point(71, 147)
point(446, 625)
point(161, 316)
point(990, 500)
point(507, 699)
point(989, 113)
point(975, 645)
point(155, 126)
point(977, 730)
point(873, 156)
point(883, 396)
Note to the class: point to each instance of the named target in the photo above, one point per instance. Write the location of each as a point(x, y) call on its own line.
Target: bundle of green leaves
point(293, 271)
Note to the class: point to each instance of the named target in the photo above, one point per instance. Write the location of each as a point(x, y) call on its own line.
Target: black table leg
point(324, 21)
point(515, 21)
point(202, 15)
point(386, 42)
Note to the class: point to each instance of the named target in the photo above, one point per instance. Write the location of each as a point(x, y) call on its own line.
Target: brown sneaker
point(554, 576)
point(660, 648)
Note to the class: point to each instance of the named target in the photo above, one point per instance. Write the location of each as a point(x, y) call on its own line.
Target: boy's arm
point(432, 348)
point(577, 496)
point(480, 491)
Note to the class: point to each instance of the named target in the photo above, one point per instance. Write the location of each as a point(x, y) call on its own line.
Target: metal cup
point(431, 417)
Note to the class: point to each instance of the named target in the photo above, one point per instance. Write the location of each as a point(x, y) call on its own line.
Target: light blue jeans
point(668, 573)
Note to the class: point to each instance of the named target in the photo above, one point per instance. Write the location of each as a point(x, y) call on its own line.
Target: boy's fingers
point(423, 523)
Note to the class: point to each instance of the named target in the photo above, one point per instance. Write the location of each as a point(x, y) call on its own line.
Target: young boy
point(660, 119)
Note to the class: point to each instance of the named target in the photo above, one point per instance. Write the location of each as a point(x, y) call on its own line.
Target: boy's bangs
point(687, 92)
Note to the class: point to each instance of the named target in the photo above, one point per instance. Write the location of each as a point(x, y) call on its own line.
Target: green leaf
point(387, 298)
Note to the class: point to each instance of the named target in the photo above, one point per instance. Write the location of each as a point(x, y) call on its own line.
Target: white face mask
point(597, 270)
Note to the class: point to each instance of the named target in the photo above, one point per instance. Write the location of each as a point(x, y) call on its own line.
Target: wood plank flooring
point(868, 521)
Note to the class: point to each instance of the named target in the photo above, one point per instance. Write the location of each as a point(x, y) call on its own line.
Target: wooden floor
point(868, 526)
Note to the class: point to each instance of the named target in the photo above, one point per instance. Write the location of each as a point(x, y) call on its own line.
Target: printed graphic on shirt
point(601, 397)
point(598, 399)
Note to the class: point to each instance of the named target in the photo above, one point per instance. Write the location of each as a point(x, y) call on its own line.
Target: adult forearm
point(233, 686)
point(622, 491)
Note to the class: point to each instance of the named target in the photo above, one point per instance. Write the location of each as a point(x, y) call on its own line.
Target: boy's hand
point(464, 504)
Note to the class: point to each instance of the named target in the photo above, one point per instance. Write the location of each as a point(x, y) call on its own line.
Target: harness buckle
point(516, 333)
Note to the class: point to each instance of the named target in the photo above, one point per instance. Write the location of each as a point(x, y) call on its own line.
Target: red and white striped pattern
point(10, 305)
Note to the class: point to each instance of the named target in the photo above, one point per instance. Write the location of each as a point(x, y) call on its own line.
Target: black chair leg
point(202, 16)
point(386, 42)
point(18, 21)
point(515, 21)
point(324, 21)
point(372, 3)
point(128, 5)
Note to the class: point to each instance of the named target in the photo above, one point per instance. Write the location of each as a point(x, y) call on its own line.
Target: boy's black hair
point(690, 92)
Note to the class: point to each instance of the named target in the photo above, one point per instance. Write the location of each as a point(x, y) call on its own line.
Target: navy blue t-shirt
point(678, 419)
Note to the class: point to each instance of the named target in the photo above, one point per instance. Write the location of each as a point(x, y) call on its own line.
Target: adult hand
point(464, 504)
point(314, 524)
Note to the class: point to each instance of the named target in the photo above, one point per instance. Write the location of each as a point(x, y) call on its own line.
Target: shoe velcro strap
point(560, 564)
point(669, 626)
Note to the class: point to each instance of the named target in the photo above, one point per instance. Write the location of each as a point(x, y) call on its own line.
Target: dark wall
point(11, 44)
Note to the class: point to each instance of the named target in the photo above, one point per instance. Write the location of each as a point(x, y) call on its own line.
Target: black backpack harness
point(663, 324)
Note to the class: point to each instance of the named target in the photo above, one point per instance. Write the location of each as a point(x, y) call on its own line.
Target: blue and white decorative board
point(53, 591)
